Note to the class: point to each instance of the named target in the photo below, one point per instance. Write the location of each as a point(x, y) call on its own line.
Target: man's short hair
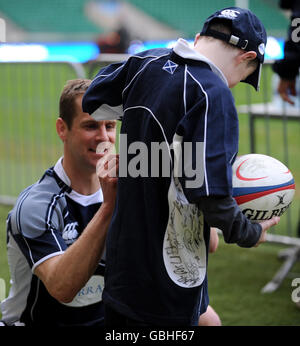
point(67, 108)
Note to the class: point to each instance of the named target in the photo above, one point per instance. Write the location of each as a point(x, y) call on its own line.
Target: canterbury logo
point(231, 14)
point(70, 233)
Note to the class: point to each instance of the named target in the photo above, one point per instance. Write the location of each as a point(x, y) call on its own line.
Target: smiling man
point(57, 229)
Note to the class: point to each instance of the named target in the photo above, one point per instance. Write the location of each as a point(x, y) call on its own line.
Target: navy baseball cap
point(247, 32)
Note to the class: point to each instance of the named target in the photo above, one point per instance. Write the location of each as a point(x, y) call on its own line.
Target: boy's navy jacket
point(158, 239)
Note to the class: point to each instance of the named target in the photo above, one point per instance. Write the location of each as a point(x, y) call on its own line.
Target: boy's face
point(243, 67)
point(248, 70)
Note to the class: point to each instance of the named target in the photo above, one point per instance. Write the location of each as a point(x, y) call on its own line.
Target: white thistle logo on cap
point(261, 48)
point(229, 14)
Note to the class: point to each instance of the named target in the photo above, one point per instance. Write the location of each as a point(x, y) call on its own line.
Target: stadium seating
point(68, 16)
point(187, 16)
point(54, 16)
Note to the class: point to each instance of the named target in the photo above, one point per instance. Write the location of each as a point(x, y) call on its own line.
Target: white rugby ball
point(263, 186)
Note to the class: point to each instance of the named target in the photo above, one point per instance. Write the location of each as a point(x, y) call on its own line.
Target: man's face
point(86, 133)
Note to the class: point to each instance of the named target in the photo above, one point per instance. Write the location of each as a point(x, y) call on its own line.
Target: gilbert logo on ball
point(263, 187)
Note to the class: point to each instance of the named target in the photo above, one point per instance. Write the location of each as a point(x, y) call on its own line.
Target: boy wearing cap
point(158, 240)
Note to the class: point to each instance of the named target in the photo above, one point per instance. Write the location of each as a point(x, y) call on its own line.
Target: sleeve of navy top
point(213, 121)
point(36, 226)
point(288, 67)
point(224, 213)
point(103, 99)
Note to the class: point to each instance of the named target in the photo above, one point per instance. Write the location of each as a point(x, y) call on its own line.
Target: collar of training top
point(184, 50)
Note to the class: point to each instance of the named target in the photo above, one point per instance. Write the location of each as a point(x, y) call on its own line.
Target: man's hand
point(265, 226)
point(285, 88)
point(107, 172)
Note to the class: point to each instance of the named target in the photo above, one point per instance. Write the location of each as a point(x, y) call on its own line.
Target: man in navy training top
point(179, 99)
point(288, 67)
point(57, 229)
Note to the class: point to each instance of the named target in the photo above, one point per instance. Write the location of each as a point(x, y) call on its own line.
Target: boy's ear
point(247, 56)
point(196, 38)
